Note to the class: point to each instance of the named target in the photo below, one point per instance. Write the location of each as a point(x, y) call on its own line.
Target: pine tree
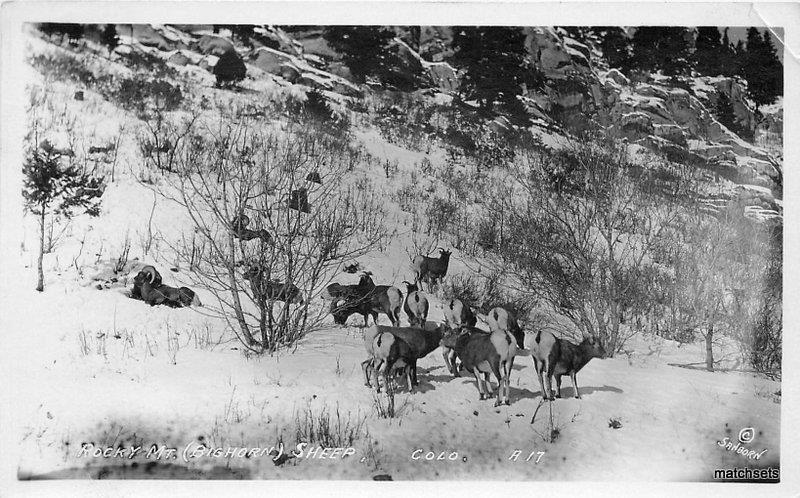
point(659, 47)
point(727, 56)
point(72, 31)
point(739, 55)
point(707, 51)
point(761, 68)
point(773, 64)
point(495, 66)
point(109, 37)
point(615, 45)
point(363, 48)
point(49, 187)
point(230, 69)
point(723, 110)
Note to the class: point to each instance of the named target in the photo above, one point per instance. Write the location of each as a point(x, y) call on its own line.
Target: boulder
point(289, 73)
point(673, 133)
point(617, 77)
point(276, 38)
point(151, 35)
point(208, 62)
point(442, 75)
point(556, 57)
point(634, 125)
point(269, 60)
point(214, 45)
point(183, 57)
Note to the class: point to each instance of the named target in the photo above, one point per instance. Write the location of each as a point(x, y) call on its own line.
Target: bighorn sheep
point(367, 299)
point(271, 289)
point(422, 342)
point(481, 353)
point(554, 357)
point(136, 293)
point(430, 270)
point(415, 305)
point(240, 230)
point(456, 314)
point(154, 294)
point(389, 353)
point(501, 319)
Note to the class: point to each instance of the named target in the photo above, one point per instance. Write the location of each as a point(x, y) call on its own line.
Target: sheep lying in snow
point(147, 286)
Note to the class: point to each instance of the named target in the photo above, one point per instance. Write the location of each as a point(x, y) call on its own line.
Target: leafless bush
point(261, 175)
point(579, 239)
point(122, 259)
point(330, 430)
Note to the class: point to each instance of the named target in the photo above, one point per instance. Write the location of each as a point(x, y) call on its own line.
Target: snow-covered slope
point(93, 366)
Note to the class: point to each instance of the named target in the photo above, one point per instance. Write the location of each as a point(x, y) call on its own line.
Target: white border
point(785, 15)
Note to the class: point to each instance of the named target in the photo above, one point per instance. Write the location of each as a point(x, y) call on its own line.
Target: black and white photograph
point(464, 251)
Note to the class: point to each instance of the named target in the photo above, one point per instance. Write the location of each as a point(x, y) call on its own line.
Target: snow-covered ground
point(105, 373)
point(95, 367)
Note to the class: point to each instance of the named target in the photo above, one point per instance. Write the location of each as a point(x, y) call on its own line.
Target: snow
point(112, 370)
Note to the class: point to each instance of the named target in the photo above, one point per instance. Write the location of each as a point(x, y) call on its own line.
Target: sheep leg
point(454, 362)
point(506, 381)
point(488, 384)
point(376, 369)
point(409, 371)
point(539, 368)
point(548, 380)
point(558, 385)
point(446, 355)
point(365, 366)
point(414, 372)
point(478, 379)
point(573, 376)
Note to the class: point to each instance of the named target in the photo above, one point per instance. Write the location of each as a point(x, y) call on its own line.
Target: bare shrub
point(259, 174)
point(719, 284)
point(581, 244)
point(329, 430)
point(122, 260)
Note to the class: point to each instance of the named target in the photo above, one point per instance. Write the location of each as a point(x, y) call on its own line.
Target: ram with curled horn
point(148, 287)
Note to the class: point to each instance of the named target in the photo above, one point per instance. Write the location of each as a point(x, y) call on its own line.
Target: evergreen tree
point(761, 68)
point(109, 37)
point(723, 110)
point(363, 48)
point(661, 47)
point(727, 56)
point(72, 31)
point(739, 55)
point(51, 188)
point(230, 69)
point(773, 64)
point(707, 50)
point(615, 45)
point(495, 66)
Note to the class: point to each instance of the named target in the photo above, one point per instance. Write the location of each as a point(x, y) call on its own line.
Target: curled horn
point(149, 270)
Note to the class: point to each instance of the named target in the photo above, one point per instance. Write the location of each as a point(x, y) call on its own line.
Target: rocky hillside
point(673, 117)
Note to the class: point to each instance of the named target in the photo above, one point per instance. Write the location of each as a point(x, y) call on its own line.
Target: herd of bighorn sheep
point(395, 349)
